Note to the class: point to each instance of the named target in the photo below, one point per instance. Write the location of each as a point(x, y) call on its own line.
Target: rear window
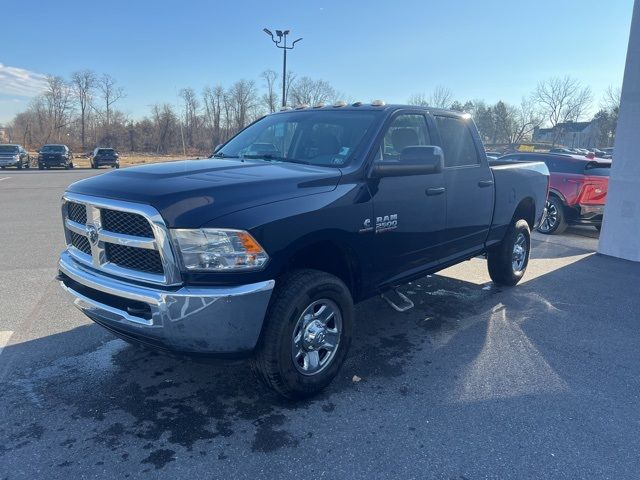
point(106, 151)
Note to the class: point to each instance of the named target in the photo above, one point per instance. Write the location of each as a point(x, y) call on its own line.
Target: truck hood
point(189, 193)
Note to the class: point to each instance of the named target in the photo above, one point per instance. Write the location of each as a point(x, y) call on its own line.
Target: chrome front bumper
point(198, 320)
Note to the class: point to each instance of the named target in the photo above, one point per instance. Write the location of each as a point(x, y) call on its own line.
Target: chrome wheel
point(550, 219)
point(316, 337)
point(519, 256)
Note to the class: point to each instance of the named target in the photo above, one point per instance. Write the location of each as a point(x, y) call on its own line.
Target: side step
point(398, 301)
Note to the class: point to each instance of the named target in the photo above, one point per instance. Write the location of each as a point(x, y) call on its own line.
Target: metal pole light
point(281, 42)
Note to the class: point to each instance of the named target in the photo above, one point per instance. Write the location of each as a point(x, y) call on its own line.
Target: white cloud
point(18, 81)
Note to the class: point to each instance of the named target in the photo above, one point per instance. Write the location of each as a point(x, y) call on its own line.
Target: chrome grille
point(126, 222)
point(77, 212)
point(134, 258)
point(81, 243)
point(123, 239)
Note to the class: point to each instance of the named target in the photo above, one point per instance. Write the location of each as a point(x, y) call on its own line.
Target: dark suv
point(55, 156)
point(13, 156)
point(577, 189)
point(104, 157)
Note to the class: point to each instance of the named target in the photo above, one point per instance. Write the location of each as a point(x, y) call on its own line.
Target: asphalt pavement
point(537, 381)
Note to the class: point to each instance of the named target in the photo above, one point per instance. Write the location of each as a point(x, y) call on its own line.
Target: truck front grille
point(77, 212)
point(123, 239)
point(134, 258)
point(127, 223)
point(81, 243)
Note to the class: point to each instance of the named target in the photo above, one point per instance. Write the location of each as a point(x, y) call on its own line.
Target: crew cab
point(14, 156)
point(104, 157)
point(55, 156)
point(577, 191)
point(263, 249)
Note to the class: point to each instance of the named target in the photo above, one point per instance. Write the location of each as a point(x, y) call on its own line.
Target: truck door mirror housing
point(418, 160)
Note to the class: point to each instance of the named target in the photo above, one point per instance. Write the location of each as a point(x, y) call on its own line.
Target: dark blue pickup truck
point(263, 249)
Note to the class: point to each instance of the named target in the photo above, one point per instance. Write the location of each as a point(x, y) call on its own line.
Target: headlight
point(16, 157)
point(219, 250)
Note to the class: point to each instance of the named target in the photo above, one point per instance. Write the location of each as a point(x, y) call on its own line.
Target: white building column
point(620, 235)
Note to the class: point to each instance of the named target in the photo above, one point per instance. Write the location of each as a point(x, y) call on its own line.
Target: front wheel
point(508, 260)
point(307, 334)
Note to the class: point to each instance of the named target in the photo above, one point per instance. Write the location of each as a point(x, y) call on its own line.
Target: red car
point(577, 190)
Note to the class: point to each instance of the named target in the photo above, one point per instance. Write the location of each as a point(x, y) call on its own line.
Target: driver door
point(409, 211)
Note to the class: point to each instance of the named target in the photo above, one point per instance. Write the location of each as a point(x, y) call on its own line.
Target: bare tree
point(166, 126)
point(291, 79)
point(441, 97)
point(418, 99)
point(213, 99)
point(243, 99)
point(562, 99)
point(525, 118)
point(312, 92)
point(270, 97)
point(58, 100)
point(611, 99)
point(83, 84)
point(110, 93)
point(191, 117)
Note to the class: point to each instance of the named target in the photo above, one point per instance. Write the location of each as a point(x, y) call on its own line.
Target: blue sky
point(491, 49)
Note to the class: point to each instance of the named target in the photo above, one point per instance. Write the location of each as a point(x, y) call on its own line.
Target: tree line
point(554, 101)
point(83, 112)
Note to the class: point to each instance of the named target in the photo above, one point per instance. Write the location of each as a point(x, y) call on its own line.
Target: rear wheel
point(508, 260)
point(40, 166)
point(307, 334)
point(555, 221)
point(19, 165)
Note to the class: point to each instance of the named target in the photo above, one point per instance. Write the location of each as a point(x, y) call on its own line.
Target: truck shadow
point(463, 343)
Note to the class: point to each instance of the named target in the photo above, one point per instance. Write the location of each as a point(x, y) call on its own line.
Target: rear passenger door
point(470, 189)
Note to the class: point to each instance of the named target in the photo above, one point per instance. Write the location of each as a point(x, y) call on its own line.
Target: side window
point(406, 130)
point(457, 142)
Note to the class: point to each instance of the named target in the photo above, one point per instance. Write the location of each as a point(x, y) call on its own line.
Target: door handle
point(485, 183)
point(435, 191)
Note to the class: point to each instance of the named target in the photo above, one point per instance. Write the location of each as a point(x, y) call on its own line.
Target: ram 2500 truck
point(263, 249)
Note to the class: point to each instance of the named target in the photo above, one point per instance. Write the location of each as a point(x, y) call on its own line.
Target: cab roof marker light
point(340, 103)
point(319, 105)
point(356, 104)
point(302, 106)
point(378, 103)
point(284, 109)
point(466, 116)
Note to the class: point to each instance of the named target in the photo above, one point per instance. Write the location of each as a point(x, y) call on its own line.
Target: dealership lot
point(475, 382)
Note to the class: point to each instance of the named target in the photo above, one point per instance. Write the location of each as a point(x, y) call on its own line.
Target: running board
point(398, 301)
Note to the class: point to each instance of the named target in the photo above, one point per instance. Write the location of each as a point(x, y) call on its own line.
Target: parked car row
point(54, 155)
point(606, 153)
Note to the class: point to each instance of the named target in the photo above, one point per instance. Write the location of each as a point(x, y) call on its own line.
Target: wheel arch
point(526, 210)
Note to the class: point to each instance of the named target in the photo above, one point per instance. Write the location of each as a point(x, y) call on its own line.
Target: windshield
point(106, 151)
point(323, 137)
point(53, 148)
point(8, 149)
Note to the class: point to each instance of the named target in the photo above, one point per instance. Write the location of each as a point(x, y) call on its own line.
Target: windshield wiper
point(222, 155)
point(277, 158)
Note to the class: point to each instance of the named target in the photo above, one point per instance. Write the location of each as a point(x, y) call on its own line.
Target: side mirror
point(418, 160)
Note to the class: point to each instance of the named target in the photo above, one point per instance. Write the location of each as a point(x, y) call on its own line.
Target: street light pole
point(281, 42)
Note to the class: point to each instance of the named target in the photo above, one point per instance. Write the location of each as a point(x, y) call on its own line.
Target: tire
point(507, 265)
point(93, 165)
point(40, 166)
point(555, 222)
point(19, 166)
point(28, 164)
point(289, 350)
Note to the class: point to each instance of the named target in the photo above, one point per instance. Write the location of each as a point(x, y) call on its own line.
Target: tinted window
point(8, 149)
point(106, 151)
point(53, 148)
point(457, 142)
point(406, 130)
